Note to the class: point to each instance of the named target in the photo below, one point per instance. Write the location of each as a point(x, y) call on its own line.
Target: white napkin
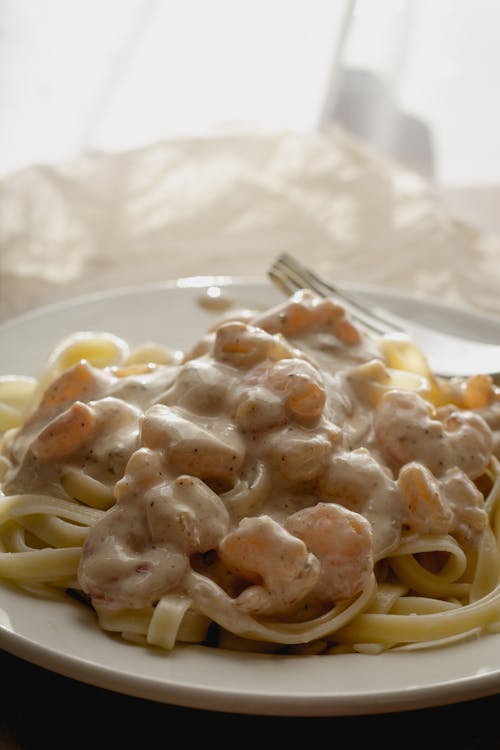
point(226, 206)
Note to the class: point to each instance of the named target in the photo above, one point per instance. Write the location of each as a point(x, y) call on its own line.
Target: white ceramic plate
point(63, 637)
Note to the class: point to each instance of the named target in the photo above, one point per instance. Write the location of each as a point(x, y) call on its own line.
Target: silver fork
point(448, 355)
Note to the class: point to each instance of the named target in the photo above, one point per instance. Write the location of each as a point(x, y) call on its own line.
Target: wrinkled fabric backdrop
point(228, 206)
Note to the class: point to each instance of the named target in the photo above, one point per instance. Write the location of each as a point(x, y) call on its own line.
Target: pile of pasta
point(429, 587)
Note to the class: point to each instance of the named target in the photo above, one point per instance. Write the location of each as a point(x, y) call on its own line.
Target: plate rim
point(205, 280)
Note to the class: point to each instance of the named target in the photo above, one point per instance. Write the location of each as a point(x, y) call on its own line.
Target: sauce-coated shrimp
point(298, 455)
point(301, 387)
point(450, 504)
point(200, 386)
point(467, 504)
point(187, 514)
point(356, 480)
point(120, 566)
point(426, 511)
point(257, 408)
point(304, 312)
point(471, 439)
point(77, 439)
point(215, 455)
point(69, 433)
point(280, 568)
point(342, 542)
point(407, 428)
point(243, 345)
point(65, 433)
point(277, 392)
point(140, 549)
point(80, 382)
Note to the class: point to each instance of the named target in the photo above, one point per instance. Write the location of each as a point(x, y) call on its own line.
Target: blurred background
point(146, 139)
point(417, 78)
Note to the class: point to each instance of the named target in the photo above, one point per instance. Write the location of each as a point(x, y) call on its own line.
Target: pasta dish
point(289, 484)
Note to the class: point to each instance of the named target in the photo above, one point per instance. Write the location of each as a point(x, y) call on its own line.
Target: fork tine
point(292, 275)
point(283, 280)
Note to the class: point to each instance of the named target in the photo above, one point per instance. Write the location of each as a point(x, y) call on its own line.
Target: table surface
point(37, 704)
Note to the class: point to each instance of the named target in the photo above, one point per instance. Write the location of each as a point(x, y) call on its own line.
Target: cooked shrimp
point(212, 452)
point(120, 566)
point(451, 504)
point(342, 542)
point(467, 505)
point(243, 345)
point(77, 438)
point(471, 439)
point(273, 393)
point(301, 387)
point(65, 433)
point(407, 428)
point(107, 461)
point(296, 453)
point(427, 512)
point(81, 382)
point(187, 514)
point(140, 549)
point(201, 385)
point(294, 316)
point(257, 408)
point(304, 312)
point(356, 480)
point(277, 564)
point(62, 415)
